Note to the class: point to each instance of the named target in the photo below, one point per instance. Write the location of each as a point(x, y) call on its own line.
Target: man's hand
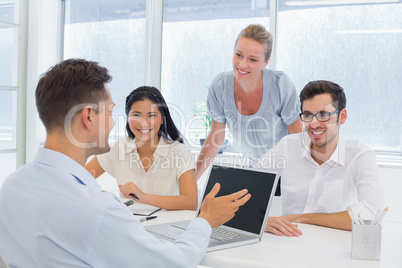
point(282, 226)
point(218, 210)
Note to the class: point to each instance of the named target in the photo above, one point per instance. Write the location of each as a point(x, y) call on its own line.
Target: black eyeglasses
point(321, 116)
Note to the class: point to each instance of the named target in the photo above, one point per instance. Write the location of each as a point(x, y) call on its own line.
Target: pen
point(129, 202)
point(148, 218)
point(375, 217)
point(381, 216)
point(133, 195)
point(352, 216)
point(360, 219)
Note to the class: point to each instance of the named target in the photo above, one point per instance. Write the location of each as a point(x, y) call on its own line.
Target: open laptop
point(249, 222)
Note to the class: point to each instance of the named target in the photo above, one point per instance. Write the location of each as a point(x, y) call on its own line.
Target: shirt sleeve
point(290, 104)
point(186, 161)
point(215, 100)
point(369, 186)
point(120, 235)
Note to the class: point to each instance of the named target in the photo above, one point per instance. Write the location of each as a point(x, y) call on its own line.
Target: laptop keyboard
point(219, 234)
point(222, 234)
point(181, 225)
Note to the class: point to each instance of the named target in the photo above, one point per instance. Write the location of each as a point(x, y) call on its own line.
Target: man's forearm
point(339, 220)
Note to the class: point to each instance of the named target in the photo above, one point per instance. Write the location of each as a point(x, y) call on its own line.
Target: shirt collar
point(337, 157)
point(129, 145)
point(62, 162)
point(305, 145)
point(161, 150)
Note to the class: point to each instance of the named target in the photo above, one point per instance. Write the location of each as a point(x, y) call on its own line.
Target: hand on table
point(282, 226)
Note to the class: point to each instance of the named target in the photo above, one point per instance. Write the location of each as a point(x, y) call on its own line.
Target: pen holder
point(366, 241)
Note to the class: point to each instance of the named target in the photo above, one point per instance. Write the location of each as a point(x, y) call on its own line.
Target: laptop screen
point(250, 216)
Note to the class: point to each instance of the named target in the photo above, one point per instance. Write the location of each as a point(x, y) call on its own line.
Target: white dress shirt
point(171, 160)
point(349, 178)
point(54, 214)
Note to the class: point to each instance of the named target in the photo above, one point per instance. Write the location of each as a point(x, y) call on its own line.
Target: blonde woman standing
point(258, 105)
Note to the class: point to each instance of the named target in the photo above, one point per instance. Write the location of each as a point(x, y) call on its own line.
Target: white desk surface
point(317, 247)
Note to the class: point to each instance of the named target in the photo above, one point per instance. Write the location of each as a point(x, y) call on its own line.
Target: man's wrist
point(206, 218)
point(297, 218)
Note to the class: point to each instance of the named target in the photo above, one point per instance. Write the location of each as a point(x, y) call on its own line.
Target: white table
point(317, 247)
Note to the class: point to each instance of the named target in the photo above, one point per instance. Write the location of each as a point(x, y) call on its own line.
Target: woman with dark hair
point(152, 164)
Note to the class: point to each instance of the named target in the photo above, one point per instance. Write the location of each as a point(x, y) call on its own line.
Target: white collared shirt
point(349, 178)
point(171, 160)
point(54, 214)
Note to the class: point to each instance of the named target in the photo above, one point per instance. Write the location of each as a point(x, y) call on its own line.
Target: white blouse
point(171, 160)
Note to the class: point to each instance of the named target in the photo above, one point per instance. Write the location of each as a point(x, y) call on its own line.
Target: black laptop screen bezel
point(260, 184)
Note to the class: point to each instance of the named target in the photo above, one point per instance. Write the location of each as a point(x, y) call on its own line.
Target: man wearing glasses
point(321, 173)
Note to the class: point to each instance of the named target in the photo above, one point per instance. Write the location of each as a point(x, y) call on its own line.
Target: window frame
point(20, 6)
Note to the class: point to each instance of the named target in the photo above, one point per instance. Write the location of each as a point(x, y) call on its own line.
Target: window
point(197, 45)
point(8, 75)
point(12, 87)
point(356, 45)
point(111, 33)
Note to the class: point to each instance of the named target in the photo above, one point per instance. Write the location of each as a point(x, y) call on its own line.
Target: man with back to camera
point(52, 211)
point(321, 173)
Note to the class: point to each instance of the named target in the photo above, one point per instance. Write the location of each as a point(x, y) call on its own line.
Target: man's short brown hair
point(67, 84)
point(319, 87)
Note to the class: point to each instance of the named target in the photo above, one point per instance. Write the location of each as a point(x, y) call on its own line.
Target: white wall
point(392, 182)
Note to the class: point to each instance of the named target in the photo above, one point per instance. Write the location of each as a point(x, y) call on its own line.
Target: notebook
point(139, 209)
point(249, 222)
